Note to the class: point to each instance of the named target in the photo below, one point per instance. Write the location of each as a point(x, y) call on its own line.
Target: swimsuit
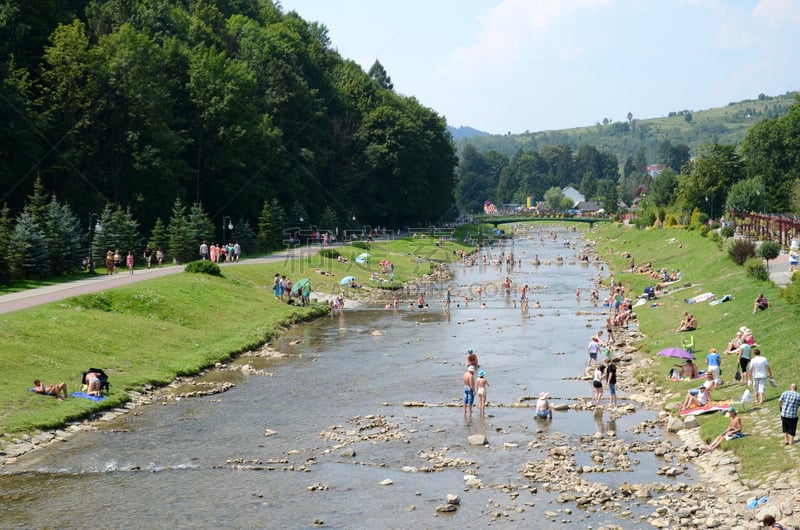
point(469, 397)
point(481, 391)
point(541, 414)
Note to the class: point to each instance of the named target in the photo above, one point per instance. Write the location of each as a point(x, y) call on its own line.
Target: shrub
point(203, 266)
point(726, 231)
point(792, 291)
point(670, 220)
point(756, 269)
point(704, 230)
point(716, 238)
point(769, 250)
point(360, 244)
point(331, 253)
point(741, 249)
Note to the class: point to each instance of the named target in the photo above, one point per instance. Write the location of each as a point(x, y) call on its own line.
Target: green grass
point(154, 330)
point(708, 268)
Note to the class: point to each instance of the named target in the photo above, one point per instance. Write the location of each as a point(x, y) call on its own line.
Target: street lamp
point(97, 228)
point(230, 226)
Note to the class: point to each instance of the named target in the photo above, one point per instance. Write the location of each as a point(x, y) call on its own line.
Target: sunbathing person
point(734, 344)
point(58, 390)
point(688, 369)
point(695, 397)
point(733, 431)
point(688, 324)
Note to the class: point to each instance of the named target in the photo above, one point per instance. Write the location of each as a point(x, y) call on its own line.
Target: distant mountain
point(465, 133)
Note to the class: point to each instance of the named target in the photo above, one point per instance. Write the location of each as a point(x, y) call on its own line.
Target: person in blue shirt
point(714, 365)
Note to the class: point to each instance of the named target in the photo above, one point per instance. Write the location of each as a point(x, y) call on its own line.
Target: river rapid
point(326, 436)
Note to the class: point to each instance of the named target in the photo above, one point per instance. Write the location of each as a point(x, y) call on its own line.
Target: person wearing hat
point(695, 397)
point(733, 431)
point(469, 389)
point(543, 409)
point(481, 384)
point(472, 359)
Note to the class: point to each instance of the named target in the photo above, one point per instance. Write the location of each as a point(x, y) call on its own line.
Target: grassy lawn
point(154, 330)
point(709, 269)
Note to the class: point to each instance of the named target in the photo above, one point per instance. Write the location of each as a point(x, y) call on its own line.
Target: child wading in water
point(481, 386)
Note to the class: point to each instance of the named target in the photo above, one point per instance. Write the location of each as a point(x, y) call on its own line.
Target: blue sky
point(516, 65)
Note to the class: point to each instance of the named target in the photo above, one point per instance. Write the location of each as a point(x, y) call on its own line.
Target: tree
point(378, 74)
point(159, 237)
point(664, 187)
point(66, 241)
point(329, 220)
point(200, 224)
point(182, 238)
point(769, 250)
point(554, 198)
point(5, 237)
point(270, 226)
point(245, 236)
point(28, 249)
point(745, 195)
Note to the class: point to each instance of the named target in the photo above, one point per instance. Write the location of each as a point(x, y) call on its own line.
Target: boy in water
point(481, 386)
point(469, 389)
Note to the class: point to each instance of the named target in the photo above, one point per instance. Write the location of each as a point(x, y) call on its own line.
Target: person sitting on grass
point(733, 431)
point(58, 390)
point(687, 324)
point(761, 303)
point(695, 397)
point(688, 369)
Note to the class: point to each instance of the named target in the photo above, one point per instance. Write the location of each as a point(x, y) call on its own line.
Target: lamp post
point(229, 225)
point(97, 228)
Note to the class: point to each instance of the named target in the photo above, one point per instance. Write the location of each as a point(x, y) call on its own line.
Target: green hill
point(724, 125)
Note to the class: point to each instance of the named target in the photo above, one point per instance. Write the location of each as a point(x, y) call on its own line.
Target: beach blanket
point(700, 298)
point(640, 301)
point(84, 395)
point(712, 406)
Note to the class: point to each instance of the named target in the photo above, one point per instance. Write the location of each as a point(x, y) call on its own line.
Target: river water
point(206, 462)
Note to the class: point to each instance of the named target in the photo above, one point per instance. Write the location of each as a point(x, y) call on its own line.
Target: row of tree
point(762, 173)
point(225, 103)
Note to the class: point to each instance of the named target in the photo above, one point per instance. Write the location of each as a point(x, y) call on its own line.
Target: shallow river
point(206, 462)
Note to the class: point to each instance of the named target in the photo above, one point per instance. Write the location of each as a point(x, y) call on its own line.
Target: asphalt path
point(92, 284)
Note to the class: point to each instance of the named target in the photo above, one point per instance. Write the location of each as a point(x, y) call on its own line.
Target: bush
point(360, 244)
point(716, 238)
point(756, 269)
point(792, 291)
point(331, 253)
point(670, 221)
point(704, 230)
point(741, 249)
point(726, 231)
point(203, 266)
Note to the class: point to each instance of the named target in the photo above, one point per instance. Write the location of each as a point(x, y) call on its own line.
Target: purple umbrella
point(678, 353)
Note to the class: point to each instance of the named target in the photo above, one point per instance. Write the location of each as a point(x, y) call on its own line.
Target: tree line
point(760, 173)
point(129, 105)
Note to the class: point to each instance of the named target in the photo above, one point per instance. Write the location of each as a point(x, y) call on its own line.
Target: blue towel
point(87, 396)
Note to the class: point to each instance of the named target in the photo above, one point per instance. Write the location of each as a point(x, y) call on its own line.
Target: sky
point(505, 66)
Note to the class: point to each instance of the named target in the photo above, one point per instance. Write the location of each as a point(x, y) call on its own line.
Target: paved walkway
point(92, 284)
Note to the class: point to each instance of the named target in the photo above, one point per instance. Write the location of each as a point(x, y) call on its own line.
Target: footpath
point(101, 282)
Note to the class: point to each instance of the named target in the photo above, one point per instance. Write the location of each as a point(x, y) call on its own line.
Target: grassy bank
point(154, 330)
point(709, 269)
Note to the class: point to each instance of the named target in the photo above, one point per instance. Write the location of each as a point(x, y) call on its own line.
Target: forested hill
point(231, 104)
point(626, 139)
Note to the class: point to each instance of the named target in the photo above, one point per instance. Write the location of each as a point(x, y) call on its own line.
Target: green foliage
point(28, 249)
point(769, 250)
point(5, 236)
point(360, 244)
point(704, 230)
point(694, 221)
point(726, 231)
point(716, 238)
point(66, 241)
point(159, 237)
point(741, 249)
point(182, 243)
point(756, 269)
point(670, 221)
point(203, 266)
point(244, 234)
point(270, 226)
point(792, 291)
point(331, 253)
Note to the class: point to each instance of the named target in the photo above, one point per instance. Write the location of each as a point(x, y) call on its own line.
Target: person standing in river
point(469, 389)
point(597, 383)
point(611, 379)
point(481, 385)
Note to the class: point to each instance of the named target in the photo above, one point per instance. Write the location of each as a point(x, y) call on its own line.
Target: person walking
point(611, 379)
point(129, 261)
point(788, 403)
point(759, 370)
point(714, 365)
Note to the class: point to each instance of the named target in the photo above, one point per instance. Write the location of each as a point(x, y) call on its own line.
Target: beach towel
point(700, 298)
point(708, 407)
point(84, 395)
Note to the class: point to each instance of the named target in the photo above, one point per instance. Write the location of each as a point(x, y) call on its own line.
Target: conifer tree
point(182, 243)
point(66, 242)
point(159, 237)
point(28, 249)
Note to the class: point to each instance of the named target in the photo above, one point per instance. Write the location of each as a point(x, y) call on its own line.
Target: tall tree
point(378, 74)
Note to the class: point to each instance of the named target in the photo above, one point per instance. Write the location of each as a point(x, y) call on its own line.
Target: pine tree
point(28, 252)
point(201, 225)
point(182, 242)
point(245, 236)
point(159, 237)
point(5, 236)
point(66, 242)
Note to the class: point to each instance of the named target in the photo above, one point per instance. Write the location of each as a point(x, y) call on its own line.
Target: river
point(273, 451)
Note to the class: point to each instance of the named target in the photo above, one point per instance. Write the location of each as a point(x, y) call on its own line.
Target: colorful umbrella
point(677, 353)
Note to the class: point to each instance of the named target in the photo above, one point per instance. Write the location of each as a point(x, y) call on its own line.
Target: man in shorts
point(469, 389)
point(789, 402)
